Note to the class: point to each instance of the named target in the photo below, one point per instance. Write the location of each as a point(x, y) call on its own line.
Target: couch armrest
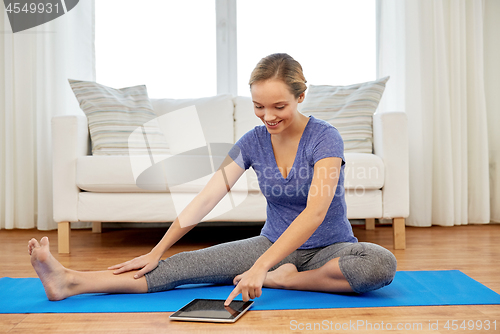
point(70, 140)
point(390, 142)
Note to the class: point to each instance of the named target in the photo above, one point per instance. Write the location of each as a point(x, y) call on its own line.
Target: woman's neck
point(294, 131)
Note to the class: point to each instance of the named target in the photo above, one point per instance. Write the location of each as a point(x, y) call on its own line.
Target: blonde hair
point(283, 67)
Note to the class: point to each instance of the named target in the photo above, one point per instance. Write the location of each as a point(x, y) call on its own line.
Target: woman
point(307, 241)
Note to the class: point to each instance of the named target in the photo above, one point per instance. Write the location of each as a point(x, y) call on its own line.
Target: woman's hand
point(145, 262)
point(249, 284)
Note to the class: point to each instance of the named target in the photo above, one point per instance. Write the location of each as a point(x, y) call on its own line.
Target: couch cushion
point(363, 171)
point(215, 115)
point(119, 119)
point(114, 174)
point(121, 174)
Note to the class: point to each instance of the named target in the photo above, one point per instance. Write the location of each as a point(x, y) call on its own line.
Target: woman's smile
point(272, 125)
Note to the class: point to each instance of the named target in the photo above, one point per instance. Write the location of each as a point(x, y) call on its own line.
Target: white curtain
point(443, 56)
point(34, 67)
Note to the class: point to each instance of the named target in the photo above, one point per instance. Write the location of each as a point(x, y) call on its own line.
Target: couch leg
point(96, 227)
point(63, 236)
point(369, 223)
point(398, 228)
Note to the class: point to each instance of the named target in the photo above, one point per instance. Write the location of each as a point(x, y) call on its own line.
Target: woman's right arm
point(216, 188)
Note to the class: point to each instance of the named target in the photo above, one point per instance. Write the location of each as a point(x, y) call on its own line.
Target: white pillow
point(115, 114)
point(349, 108)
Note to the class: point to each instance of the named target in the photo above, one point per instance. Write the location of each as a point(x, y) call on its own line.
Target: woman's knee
point(374, 269)
point(387, 266)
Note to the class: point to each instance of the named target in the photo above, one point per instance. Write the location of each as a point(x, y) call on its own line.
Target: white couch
point(104, 188)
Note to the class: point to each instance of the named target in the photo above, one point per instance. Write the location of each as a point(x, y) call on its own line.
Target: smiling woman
point(307, 241)
point(278, 86)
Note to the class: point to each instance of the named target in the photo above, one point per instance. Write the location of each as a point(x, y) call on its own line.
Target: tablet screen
point(212, 310)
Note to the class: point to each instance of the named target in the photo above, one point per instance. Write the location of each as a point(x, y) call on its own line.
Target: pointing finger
point(233, 295)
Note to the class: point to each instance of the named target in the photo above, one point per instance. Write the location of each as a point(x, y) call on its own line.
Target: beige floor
point(473, 249)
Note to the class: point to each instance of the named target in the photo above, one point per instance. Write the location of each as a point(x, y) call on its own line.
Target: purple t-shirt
point(287, 197)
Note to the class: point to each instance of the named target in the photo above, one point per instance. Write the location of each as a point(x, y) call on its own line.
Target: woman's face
point(275, 105)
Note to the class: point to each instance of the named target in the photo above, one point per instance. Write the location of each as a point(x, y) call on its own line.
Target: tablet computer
point(211, 310)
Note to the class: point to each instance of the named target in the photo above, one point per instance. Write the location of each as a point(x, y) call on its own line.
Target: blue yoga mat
point(409, 288)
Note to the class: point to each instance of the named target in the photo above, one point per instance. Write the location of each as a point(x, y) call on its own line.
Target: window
point(167, 45)
point(171, 46)
point(333, 40)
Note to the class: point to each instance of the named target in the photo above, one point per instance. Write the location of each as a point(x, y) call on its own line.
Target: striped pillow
point(349, 108)
point(115, 117)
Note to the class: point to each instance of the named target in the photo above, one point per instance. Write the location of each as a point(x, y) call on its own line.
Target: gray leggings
point(366, 266)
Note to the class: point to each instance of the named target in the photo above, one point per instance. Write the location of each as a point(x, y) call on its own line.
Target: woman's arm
point(221, 182)
point(320, 197)
point(321, 193)
point(218, 186)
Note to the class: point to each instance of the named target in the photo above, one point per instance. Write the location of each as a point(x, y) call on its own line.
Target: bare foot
point(53, 275)
point(278, 278)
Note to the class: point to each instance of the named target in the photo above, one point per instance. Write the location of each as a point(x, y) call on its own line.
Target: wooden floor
point(473, 249)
